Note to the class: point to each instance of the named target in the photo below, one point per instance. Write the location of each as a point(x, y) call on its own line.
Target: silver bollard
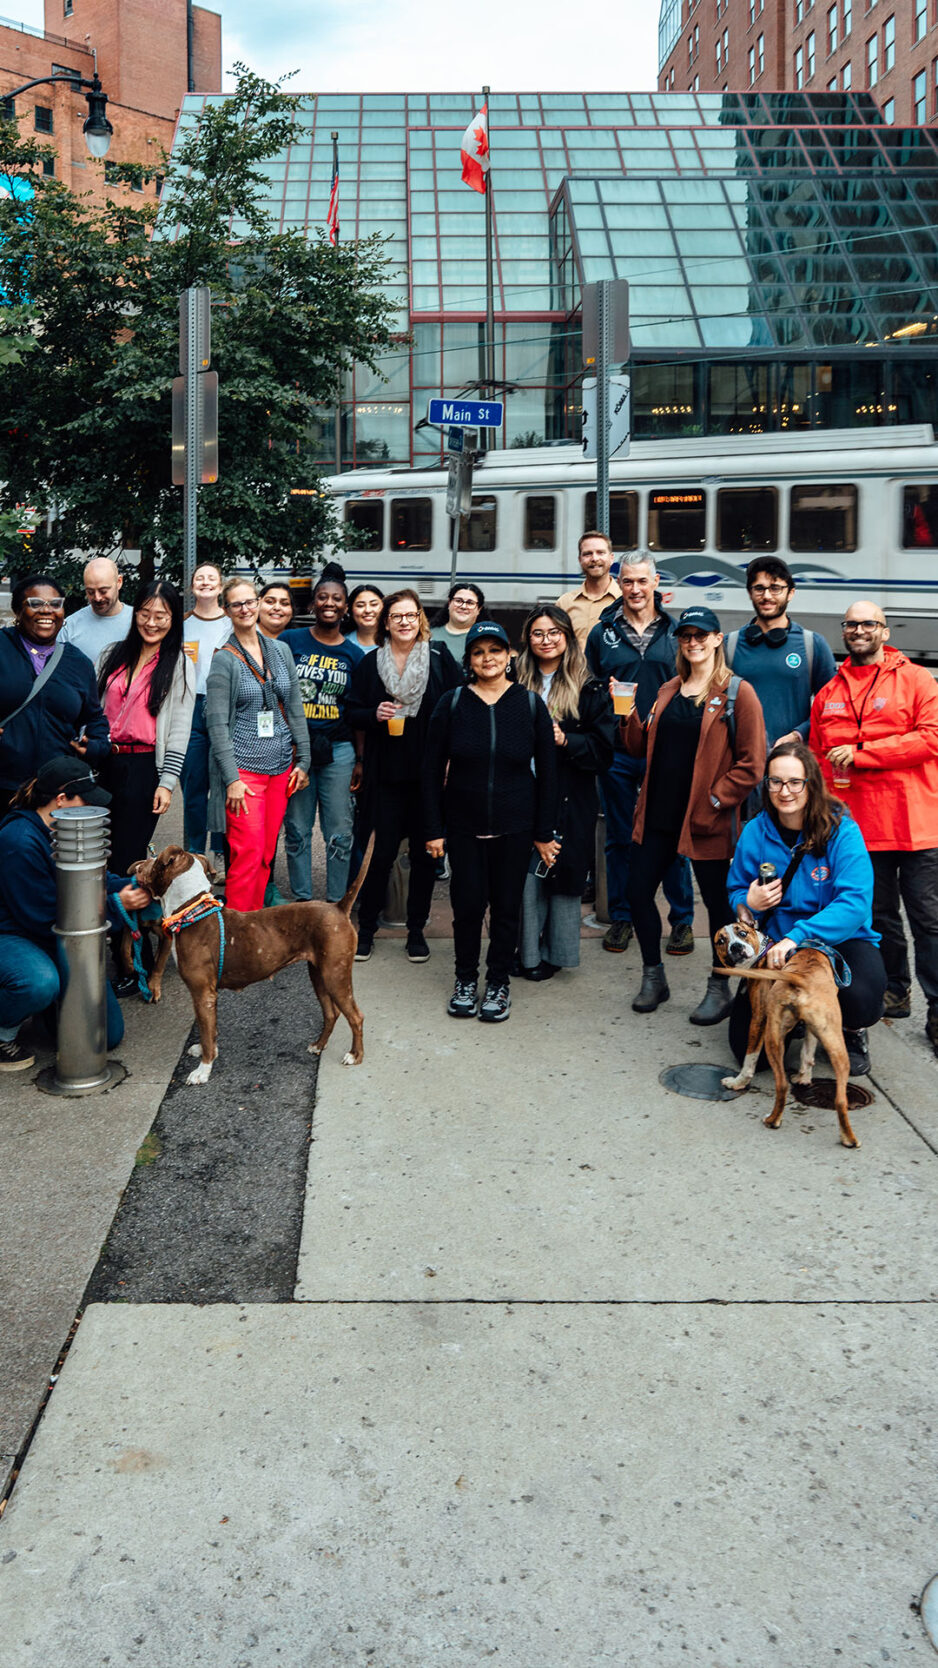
point(80, 843)
point(394, 913)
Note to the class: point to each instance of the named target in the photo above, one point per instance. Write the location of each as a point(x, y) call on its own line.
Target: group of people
point(804, 795)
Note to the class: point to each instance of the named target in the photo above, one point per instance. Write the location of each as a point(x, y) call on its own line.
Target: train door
point(910, 582)
point(538, 519)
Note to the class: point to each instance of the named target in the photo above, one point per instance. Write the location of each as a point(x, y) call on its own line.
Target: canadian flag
point(475, 150)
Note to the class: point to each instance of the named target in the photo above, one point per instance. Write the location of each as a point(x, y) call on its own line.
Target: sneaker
point(618, 937)
point(858, 1050)
point(681, 942)
point(14, 1057)
point(496, 1004)
point(898, 1004)
point(366, 945)
point(417, 947)
point(464, 1002)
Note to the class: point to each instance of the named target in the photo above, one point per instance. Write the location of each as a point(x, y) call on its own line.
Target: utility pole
point(195, 415)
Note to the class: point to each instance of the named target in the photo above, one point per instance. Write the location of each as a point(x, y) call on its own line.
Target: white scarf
point(408, 686)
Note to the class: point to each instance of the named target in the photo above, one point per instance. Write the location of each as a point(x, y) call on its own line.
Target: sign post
point(195, 415)
point(462, 418)
point(605, 343)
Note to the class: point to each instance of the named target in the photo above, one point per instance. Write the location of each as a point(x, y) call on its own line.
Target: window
point(934, 78)
point(921, 19)
point(540, 523)
point(872, 61)
point(677, 519)
point(695, 84)
point(48, 166)
point(799, 67)
point(920, 517)
point(42, 116)
point(889, 111)
point(747, 518)
point(411, 523)
point(809, 47)
point(67, 8)
point(832, 85)
point(752, 65)
point(919, 97)
point(760, 49)
point(477, 530)
point(365, 516)
point(8, 109)
point(66, 69)
point(799, 11)
point(823, 518)
point(832, 34)
point(752, 11)
point(848, 17)
point(847, 77)
point(158, 184)
point(623, 518)
point(889, 44)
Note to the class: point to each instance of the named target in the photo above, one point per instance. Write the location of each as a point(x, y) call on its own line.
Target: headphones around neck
point(775, 637)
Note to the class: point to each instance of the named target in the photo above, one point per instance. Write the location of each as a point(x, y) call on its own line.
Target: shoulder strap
point(232, 648)
point(729, 711)
point(797, 854)
point(809, 655)
point(729, 648)
point(532, 703)
point(43, 677)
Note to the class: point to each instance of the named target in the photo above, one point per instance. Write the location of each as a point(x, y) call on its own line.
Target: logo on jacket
point(793, 660)
point(820, 872)
point(610, 637)
point(879, 703)
point(835, 706)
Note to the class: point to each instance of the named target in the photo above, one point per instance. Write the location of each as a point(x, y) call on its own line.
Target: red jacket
point(892, 724)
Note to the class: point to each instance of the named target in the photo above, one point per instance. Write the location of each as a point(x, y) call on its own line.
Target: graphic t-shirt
point(324, 671)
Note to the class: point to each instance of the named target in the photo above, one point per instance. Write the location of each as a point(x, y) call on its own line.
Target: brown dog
point(804, 989)
point(258, 943)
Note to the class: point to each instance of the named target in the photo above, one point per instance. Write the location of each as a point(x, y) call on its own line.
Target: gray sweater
point(221, 699)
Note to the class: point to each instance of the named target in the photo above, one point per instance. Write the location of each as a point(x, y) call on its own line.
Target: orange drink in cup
point(841, 775)
point(623, 698)
point(396, 725)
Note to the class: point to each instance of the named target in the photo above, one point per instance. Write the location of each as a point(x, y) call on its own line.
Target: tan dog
point(258, 943)
point(804, 989)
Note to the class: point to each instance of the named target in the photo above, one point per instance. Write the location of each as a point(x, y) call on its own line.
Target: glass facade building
point(781, 252)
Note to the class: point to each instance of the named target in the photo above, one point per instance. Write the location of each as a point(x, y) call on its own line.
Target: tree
point(90, 407)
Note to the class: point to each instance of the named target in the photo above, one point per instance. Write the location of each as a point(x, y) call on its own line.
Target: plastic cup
point(396, 725)
point(623, 698)
point(841, 776)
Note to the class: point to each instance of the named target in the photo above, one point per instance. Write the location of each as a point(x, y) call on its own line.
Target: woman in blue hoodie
point(828, 899)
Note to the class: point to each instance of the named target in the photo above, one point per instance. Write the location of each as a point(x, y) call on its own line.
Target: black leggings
point(648, 865)
point(861, 1002)
point(487, 874)
point(131, 780)
point(398, 817)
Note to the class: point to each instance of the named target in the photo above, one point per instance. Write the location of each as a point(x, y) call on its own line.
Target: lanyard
point(859, 715)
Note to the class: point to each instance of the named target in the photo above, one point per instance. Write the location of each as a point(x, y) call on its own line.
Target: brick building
point(149, 55)
point(889, 48)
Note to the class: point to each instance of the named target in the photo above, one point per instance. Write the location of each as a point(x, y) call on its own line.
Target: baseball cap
point(486, 628)
point(65, 774)
point(702, 619)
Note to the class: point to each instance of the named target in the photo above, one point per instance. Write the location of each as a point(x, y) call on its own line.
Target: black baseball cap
point(486, 628)
point(69, 775)
point(702, 619)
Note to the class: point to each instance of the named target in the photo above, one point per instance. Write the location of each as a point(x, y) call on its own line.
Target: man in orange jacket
point(874, 728)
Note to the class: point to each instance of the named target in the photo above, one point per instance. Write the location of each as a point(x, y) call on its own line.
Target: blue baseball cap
point(702, 619)
point(486, 628)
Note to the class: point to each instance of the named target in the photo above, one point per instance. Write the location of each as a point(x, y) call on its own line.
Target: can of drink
point(767, 872)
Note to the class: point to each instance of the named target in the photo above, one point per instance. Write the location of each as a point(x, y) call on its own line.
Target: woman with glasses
point(828, 899)
point(259, 741)
point(464, 605)
point(700, 768)
point(393, 694)
point(551, 664)
point(147, 688)
point(48, 694)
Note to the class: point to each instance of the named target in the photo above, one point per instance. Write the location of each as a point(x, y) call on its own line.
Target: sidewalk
point(577, 1371)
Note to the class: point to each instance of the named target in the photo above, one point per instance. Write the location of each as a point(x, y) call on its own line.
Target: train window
point(920, 517)
point(540, 523)
point(747, 518)
point(366, 517)
point(623, 518)
point(477, 531)
point(411, 523)
point(823, 518)
point(677, 519)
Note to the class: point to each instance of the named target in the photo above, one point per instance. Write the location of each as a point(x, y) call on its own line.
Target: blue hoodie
point(828, 897)
point(27, 880)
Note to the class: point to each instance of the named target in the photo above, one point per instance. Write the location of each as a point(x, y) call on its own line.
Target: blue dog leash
point(136, 935)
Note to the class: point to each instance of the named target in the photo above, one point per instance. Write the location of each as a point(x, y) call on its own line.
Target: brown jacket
point(706, 832)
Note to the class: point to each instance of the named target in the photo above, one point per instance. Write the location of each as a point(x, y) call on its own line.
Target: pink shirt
point(126, 709)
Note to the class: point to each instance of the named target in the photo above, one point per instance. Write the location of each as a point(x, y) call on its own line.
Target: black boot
point(654, 990)
point(858, 1050)
point(716, 1003)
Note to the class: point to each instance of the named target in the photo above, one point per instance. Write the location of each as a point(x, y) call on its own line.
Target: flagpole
point(338, 404)
point(489, 274)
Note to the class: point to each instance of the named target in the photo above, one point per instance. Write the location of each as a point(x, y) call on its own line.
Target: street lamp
point(96, 128)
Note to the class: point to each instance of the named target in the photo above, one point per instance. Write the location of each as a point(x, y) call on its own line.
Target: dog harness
point(196, 910)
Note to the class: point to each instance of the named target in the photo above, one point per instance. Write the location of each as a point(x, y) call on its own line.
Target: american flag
point(332, 213)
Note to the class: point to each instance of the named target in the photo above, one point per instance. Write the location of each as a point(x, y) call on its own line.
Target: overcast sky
point(427, 45)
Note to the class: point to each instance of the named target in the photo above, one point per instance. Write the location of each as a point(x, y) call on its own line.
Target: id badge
point(265, 723)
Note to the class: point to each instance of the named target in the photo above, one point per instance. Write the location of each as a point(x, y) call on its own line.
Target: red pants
point(252, 837)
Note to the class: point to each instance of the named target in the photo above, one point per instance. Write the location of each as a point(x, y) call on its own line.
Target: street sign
point(617, 297)
point(206, 419)
point(466, 414)
point(455, 440)
point(619, 422)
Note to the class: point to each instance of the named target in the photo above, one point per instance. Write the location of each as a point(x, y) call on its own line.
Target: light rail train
point(853, 512)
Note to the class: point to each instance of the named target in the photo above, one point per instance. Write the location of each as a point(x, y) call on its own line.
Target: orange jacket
point(892, 724)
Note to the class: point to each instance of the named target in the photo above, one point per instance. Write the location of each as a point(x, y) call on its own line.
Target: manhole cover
point(699, 1082)
point(821, 1093)
point(930, 1610)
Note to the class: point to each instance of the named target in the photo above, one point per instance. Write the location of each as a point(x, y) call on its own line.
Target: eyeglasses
point(546, 636)
point(154, 619)
point(249, 602)
point(768, 590)
point(44, 605)
point(783, 784)
point(403, 619)
point(850, 626)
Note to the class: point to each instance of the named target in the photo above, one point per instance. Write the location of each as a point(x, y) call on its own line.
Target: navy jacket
point(65, 705)
point(609, 654)
point(27, 879)
point(779, 675)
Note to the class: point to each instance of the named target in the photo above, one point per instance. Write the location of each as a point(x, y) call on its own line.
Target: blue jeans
point(620, 787)
point(329, 789)
point(31, 980)
point(193, 779)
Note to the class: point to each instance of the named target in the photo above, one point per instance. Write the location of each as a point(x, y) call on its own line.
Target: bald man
point(876, 724)
point(106, 619)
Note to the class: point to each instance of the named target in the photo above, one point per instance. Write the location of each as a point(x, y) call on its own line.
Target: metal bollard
point(601, 906)
point(80, 843)
point(394, 913)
